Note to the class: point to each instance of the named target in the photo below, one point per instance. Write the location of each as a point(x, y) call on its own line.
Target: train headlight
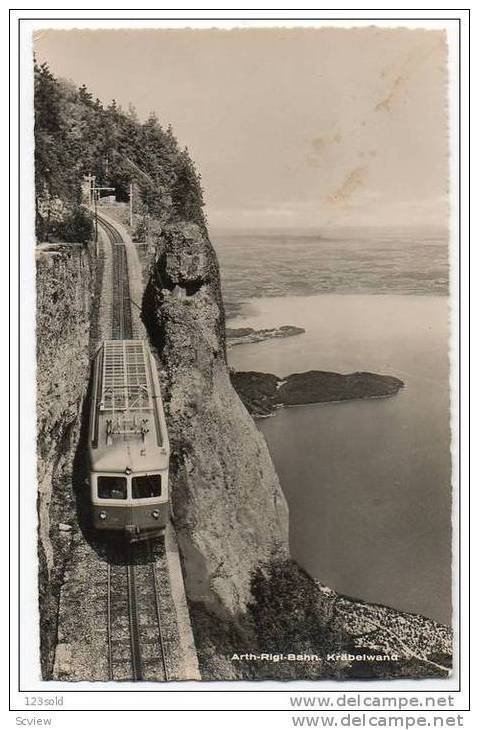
point(155, 514)
point(102, 515)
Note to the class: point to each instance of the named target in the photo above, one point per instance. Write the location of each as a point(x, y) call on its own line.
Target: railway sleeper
point(117, 660)
point(153, 660)
point(150, 642)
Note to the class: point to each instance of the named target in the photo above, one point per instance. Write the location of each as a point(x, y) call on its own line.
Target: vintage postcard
point(246, 376)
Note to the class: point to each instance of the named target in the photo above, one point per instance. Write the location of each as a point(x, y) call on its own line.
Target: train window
point(146, 486)
point(112, 487)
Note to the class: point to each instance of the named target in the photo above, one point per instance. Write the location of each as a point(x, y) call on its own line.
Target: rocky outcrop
point(64, 284)
point(229, 511)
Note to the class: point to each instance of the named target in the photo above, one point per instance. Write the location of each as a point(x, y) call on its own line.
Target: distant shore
point(248, 335)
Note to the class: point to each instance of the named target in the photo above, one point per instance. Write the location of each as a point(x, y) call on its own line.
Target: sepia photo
point(243, 326)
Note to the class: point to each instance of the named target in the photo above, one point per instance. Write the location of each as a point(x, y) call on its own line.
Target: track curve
point(136, 642)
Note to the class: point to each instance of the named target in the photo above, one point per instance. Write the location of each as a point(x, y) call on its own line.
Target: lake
point(347, 261)
point(367, 482)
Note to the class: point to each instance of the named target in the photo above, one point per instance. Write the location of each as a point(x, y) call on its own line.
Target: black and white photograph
point(245, 292)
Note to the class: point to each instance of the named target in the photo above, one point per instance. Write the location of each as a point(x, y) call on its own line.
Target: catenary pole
point(131, 205)
point(96, 221)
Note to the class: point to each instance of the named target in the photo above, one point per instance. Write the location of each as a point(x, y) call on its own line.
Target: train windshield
point(112, 487)
point(146, 486)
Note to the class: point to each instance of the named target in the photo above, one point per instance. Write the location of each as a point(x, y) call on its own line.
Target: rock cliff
point(64, 311)
point(228, 508)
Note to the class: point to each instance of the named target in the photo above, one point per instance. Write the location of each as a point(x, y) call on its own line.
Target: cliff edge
point(64, 320)
point(228, 509)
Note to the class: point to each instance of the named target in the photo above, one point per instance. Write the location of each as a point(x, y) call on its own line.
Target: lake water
point(378, 261)
point(367, 482)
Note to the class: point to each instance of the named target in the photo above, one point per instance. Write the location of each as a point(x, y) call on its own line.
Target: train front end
point(132, 504)
point(128, 445)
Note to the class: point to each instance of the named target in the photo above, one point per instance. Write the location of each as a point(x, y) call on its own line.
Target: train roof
point(127, 427)
point(125, 382)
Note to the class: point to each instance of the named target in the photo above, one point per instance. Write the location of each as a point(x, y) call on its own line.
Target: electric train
point(128, 443)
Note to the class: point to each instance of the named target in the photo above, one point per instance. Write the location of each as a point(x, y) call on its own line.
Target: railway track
point(139, 604)
point(136, 616)
point(121, 325)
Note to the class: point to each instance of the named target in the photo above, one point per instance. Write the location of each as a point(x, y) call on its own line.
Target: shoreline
point(328, 402)
point(249, 336)
point(239, 305)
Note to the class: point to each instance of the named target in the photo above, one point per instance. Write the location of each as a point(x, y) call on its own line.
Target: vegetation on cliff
point(75, 135)
point(297, 628)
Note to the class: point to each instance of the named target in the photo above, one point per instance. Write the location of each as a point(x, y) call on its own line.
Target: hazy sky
point(289, 128)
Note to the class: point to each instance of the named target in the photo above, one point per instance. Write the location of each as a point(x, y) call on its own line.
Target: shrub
point(76, 227)
point(288, 610)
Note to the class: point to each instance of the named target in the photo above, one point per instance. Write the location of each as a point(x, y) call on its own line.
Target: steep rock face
point(64, 281)
point(228, 508)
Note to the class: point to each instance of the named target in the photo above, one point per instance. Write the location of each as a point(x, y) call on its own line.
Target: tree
point(53, 159)
point(75, 135)
point(187, 193)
